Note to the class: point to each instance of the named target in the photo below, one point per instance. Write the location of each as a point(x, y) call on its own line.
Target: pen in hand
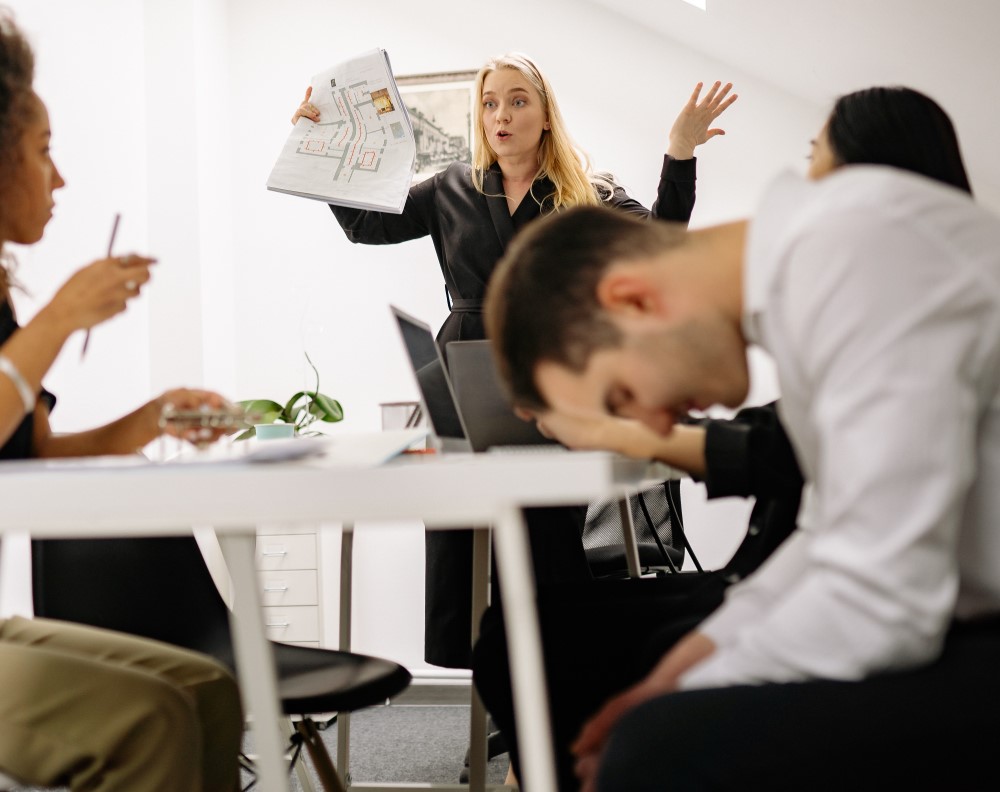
point(111, 245)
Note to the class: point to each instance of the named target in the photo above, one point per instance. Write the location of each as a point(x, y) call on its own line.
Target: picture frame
point(441, 111)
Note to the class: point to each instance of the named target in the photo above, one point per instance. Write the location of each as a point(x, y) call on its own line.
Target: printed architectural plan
point(361, 152)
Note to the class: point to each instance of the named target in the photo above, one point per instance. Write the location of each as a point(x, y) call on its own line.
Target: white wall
point(89, 72)
point(172, 111)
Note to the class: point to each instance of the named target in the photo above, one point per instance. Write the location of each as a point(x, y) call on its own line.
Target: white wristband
point(24, 390)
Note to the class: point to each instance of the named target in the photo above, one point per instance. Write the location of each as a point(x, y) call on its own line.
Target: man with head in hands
point(876, 628)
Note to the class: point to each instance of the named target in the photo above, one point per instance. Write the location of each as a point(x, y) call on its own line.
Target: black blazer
point(471, 230)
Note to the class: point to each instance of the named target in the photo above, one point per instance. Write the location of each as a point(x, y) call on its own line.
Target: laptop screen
point(439, 401)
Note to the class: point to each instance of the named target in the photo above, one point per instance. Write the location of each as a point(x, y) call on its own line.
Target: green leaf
point(326, 408)
point(301, 410)
point(290, 404)
point(267, 409)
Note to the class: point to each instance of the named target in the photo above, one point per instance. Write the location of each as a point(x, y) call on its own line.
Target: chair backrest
point(659, 529)
point(157, 588)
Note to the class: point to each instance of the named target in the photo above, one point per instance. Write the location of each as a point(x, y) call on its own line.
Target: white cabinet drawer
point(286, 551)
point(292, 624)
point(293, 587)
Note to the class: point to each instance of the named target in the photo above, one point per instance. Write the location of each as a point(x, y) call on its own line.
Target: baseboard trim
point(435, 694)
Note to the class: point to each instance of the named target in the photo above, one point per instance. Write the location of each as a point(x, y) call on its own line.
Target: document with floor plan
point(361, 152)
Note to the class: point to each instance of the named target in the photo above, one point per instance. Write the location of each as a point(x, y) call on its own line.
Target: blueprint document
point(361, 151)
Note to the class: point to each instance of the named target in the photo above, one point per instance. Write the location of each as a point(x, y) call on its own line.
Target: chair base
point(304, 734)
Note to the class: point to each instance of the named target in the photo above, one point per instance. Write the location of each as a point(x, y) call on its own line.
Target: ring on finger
point(130, 285)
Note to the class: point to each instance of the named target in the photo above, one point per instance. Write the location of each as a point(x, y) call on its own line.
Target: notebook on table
point(348, 449)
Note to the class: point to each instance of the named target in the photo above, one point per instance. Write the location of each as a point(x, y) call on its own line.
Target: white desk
point(93, 498)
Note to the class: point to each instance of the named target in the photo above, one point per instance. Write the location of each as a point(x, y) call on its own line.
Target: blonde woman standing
point(525, 165)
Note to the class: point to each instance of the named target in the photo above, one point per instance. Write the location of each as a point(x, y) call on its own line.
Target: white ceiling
point(819, 49)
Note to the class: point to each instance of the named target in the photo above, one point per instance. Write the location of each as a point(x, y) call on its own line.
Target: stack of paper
point(361, 151)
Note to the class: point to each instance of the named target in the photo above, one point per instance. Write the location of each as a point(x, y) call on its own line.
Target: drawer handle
point(274, 550)
point(275, 588)
point(278, 624)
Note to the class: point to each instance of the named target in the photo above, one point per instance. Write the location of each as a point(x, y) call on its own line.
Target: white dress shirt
point(878, 294)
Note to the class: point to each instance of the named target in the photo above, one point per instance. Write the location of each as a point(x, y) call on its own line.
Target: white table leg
point(524, 647)
point(255, 661)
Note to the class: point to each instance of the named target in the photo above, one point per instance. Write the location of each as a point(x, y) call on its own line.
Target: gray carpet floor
point(404, 743)
point(410, 743)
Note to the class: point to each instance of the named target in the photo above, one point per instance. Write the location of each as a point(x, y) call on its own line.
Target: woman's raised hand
point(99, 291)
point(693, 125)
point(307, 109)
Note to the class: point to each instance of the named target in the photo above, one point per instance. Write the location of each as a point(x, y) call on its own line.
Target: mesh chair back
point(659, 529)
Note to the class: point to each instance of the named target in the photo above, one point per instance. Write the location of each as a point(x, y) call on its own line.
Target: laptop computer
point(437, 399)
point(491, 423)
point(482, 399)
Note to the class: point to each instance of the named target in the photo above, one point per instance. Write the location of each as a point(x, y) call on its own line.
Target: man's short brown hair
point(542, 299)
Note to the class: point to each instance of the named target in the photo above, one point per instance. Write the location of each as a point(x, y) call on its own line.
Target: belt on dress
point(466, 306)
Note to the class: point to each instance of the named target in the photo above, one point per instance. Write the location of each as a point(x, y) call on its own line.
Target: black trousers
point(557, 556)
point(598, 637)
point(939, 724)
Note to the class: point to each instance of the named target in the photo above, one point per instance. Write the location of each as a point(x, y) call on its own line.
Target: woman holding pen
point(525, 165)
point(81, 707)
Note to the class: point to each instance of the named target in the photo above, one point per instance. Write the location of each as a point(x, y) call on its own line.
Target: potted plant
point(301, 411)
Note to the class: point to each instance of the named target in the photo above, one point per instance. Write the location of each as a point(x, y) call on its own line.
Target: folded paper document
point(361, 152)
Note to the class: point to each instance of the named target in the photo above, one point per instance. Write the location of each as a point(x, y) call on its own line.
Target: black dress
point(470, 231)
point(19, 446)
point(20, 443)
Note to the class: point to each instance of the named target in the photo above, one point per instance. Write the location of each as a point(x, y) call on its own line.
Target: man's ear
point(524, 413)
point(628, 292)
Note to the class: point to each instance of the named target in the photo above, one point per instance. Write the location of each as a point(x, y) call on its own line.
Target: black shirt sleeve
point(676, 193)
point(369, 227)
point(674, 196)
point(751, 455)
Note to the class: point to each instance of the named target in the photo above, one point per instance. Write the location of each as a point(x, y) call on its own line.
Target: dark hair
point(542, 301)
point(899, 127)
point(17, 71)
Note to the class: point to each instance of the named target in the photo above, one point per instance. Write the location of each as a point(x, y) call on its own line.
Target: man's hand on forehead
point(600, 431)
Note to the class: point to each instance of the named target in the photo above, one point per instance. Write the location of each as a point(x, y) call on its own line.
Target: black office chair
point(160, 588)
point(659, 533)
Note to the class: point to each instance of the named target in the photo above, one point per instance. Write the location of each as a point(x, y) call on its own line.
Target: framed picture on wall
point(440, 108)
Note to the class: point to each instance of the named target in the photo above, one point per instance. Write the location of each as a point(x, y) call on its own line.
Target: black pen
point(111, 245)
